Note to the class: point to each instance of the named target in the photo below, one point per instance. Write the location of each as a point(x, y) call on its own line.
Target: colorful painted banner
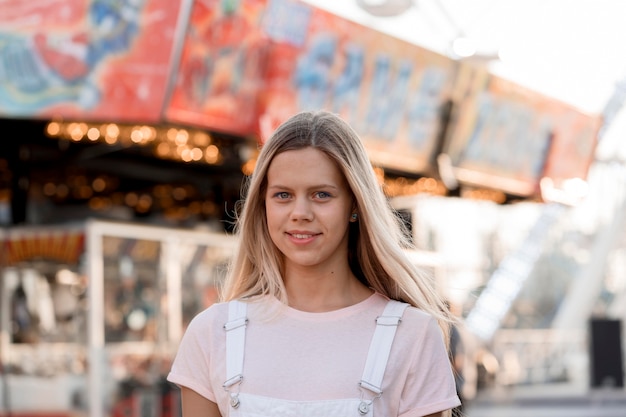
point(508, 137)
point(573, 145)
point(99, 59)
point(246, 68)
point(247, 65)
point(221, 67)
point(390, 91)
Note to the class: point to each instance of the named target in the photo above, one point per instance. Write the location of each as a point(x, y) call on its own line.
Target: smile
point(301, 236)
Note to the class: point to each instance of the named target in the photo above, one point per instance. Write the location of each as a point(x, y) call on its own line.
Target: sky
point(572, 50)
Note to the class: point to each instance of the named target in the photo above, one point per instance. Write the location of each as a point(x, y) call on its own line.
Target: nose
point(302, 210)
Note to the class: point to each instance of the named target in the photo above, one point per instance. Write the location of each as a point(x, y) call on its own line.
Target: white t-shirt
point(301, 356)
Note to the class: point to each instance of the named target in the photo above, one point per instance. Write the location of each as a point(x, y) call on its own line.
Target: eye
point(282, 195)
point(322, 194)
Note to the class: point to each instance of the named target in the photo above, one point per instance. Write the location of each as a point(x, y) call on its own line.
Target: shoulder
point(419, 324)
point(415, 322)
point(417, 315)
point(218, 314)
point(210, 318)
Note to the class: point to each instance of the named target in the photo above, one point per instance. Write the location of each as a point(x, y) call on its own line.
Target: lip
point(301, 236)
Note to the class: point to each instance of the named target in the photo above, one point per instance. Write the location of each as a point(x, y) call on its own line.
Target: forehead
point(306, 163)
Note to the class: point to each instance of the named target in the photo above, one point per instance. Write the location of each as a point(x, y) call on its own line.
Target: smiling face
point(308, 205)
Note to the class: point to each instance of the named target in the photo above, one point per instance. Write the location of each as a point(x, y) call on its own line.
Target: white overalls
point(248, 405)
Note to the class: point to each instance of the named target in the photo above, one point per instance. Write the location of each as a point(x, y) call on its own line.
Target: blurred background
point(496, 129)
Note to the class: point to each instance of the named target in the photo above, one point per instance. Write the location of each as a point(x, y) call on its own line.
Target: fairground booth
point(128, 128)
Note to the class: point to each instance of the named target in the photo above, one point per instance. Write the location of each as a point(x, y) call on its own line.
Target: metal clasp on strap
point(376, 390)
point(234, 396)
point(235, 329)
point(366, 404)
point(235, 324)
point(232, 381)
point(388, 320)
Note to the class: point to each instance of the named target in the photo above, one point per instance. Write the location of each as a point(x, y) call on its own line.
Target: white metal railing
point(541, 356)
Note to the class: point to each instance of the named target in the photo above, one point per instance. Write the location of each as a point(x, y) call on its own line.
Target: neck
point(324, 291)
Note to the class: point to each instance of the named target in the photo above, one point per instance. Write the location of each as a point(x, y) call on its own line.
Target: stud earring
point(354, 217)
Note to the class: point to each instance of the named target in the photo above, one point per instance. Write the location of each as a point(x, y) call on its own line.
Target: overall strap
point(380, 346)
point(235, 341)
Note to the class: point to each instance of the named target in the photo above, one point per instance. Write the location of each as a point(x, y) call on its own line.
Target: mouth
point(301, 235)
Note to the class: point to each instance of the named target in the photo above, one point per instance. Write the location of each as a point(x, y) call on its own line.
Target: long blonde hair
point(376, 244)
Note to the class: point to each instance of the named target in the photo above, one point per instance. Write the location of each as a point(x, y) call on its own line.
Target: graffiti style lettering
point(345, 96)
point(382, 107)
point(312, 78)
point(424, 108)
point(377, 107)
point(387, 98)
point(501, 126)
point(396, 110)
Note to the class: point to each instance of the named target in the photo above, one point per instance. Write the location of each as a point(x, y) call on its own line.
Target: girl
point(323, 315)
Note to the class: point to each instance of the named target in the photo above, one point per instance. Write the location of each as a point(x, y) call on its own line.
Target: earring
point(354, 217)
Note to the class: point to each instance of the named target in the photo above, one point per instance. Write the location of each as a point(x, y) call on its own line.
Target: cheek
point(273, 215)
point(338, 223)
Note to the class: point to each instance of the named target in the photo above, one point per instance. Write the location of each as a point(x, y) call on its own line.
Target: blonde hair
point(376, 243)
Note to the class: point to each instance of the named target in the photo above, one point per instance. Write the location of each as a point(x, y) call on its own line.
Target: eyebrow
point(316, 186)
